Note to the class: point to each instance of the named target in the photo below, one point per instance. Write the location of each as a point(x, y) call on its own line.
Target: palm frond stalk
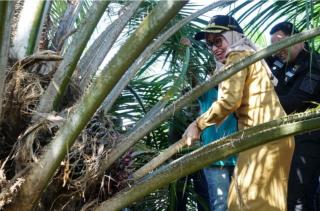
point(41, 172)
point(38, 31)
point(139, 132)
point(304, 14)
point(97, 52)
point(161, 104)
point(238, 142)
point(30, 25)
point(7, 11)
point(66, 25)
point(54, 93)
point(146, 54)
point(160, 159)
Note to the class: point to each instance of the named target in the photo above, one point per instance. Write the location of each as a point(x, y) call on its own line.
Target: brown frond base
point(77, 183)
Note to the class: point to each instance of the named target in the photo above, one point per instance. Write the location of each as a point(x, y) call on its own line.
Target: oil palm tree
point(52, 140)
point(71, 49)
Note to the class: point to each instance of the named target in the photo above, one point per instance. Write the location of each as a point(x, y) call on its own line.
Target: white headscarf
point(239, 42)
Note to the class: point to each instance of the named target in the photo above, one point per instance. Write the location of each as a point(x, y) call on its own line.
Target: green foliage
point(304, 14)
point(181, 69)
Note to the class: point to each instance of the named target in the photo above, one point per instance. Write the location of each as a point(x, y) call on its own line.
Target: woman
point(261, 174)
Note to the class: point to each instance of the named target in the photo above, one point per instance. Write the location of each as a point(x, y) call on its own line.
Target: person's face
point(287, 55)
point(218, 45)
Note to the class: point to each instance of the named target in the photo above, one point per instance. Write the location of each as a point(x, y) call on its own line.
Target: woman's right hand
point(192, 133)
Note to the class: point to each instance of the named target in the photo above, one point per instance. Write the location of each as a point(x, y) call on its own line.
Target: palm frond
point(303, 14)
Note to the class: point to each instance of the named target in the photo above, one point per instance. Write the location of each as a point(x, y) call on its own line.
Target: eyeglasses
point(217, 42)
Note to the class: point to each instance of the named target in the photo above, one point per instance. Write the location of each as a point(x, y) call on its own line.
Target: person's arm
point(229, 99)
point(300, 97)
point(230, 96)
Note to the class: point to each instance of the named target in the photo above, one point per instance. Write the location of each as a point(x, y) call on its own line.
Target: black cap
point(219, 24)
point(286, 27)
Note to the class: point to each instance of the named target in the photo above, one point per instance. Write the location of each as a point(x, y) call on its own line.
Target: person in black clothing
point(297, 73)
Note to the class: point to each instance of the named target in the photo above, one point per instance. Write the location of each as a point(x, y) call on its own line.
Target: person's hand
point(192, 133)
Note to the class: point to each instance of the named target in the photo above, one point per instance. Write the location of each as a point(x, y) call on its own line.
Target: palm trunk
point(242, 140)
point(52, 97)
point(7, 11)
point(139, 132)
point(41, 172)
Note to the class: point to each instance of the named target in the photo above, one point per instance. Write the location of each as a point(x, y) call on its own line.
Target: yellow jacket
point(261, 174)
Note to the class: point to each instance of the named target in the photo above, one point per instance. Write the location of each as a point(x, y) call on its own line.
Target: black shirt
point(299, 87)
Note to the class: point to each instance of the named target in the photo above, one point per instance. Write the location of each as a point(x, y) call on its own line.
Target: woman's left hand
point(192, 133)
